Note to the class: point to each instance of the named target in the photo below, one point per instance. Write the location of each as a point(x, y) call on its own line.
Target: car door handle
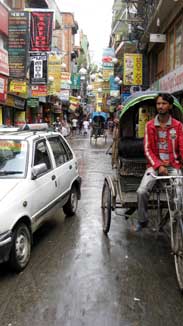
point(53, 177)
point(70, 167)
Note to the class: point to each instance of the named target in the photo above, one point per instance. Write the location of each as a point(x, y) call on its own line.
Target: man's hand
point(162, 170)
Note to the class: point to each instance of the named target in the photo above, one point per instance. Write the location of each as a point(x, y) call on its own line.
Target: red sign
point(3, 88)
point(39, 90)
point(3, 20)
point(41, 31)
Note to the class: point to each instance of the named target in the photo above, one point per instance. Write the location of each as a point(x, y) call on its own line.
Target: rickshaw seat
point(130, 147)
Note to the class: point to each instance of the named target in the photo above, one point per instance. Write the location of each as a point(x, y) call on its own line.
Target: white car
point(38, 175)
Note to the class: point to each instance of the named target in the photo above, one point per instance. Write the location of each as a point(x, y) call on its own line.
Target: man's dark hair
point(166, 97)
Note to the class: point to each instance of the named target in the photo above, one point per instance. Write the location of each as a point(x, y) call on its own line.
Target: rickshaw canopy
point(140, 97)
point(102, 115)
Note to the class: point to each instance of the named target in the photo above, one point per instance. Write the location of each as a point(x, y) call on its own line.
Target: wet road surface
point(77, 276)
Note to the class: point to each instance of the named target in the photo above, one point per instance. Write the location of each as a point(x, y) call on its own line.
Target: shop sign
point(132, 74)
point(10, 101)
point(113, 85)
point(19, 103)
point(75, 80)
point(107, 73)
point(74, 102)
point(172, 82)
point(17, 43)
point(64, 95)
point(4, 66)
point(3, 20)
point(54, 71)
point(38, 68)
point(158, 38)
point(108, 65)
point(33, 102)
point(18, 86)
point(41, 30)
point(39, 90)
point(3, 88)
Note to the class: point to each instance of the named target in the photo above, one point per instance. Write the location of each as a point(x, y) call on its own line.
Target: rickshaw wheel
point(106, 207)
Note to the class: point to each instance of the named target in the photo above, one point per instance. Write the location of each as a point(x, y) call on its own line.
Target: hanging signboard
point(132, 74)
point(158, 38)
point(41, 30)
point(39, 90)
point(18, 86)
point(17, 43)
point(38, 68)
point(54, 71)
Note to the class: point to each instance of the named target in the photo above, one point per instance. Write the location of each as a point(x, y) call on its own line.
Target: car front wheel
point(21, 248)
point(71, 206)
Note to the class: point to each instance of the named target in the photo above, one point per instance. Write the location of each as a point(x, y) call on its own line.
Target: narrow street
point(78, 276)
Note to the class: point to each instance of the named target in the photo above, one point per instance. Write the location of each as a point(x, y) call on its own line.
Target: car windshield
point(12, 158)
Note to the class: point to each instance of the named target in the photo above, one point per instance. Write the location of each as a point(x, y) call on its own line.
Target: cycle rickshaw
point(99, 120)
point(119, 191)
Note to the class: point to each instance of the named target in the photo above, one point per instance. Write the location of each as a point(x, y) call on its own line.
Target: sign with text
point(41, 31)
point(132, 74)
point(17, 43)
point(39, 90)
point(17, 86)
point(38, 68)
point(157, 38)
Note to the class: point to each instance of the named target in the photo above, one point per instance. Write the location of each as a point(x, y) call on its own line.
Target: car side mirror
point(37, 170)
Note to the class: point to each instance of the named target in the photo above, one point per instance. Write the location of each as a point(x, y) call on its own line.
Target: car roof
point(25, 135)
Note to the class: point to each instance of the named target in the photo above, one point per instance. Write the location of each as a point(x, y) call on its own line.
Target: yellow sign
point(18, 87)
point(54, 72)
point(106, 73)
point(132, 69)
point(74, 102)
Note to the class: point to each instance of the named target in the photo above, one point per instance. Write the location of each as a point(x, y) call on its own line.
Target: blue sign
point(113, 85)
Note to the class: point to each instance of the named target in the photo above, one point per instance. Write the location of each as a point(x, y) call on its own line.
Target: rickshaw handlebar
point(165, 177)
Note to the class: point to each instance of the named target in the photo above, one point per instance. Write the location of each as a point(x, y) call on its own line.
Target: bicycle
point(173, 186)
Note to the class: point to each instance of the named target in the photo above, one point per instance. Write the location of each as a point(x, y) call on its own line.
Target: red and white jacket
point(175, 143)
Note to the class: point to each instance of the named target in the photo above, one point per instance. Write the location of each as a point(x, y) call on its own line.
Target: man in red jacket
point(163, 147)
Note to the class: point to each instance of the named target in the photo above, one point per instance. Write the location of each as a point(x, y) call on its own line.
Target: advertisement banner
point(41, 31)
point(54, 71)
point(38, 68)
point(65, 80)
point(17, 43)
point(39, 90)
point(17, 86)
point(33, 102)
point(3, 88)
point(4, 66)
point(132, 69)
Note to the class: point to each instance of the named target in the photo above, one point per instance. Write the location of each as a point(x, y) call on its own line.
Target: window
point(178, 42)
point(59, 151)
point(41, 154)
point(175, 46)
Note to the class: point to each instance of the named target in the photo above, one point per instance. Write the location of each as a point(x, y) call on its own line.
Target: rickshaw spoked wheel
point(106, 207)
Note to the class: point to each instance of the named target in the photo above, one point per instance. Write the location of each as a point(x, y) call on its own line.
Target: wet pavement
point(79, 277)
